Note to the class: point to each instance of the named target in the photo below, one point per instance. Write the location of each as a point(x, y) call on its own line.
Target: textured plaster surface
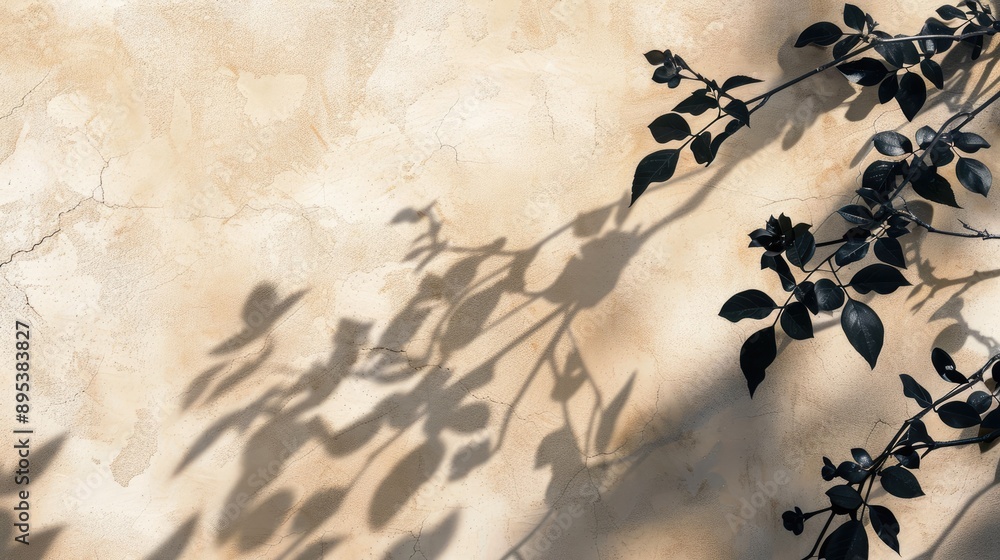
point(357, 280)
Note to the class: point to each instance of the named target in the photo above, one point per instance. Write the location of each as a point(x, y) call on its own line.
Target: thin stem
point(972, 232)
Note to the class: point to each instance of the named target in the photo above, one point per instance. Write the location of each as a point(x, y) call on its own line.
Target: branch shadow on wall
point(412, 356)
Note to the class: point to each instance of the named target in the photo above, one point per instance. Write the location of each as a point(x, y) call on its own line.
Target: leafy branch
point(907, 448)
point(900, 52)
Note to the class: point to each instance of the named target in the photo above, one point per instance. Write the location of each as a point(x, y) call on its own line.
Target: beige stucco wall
point(357, 280)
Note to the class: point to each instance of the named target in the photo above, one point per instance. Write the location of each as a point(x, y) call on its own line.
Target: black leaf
point(847, 542)
point(992, 421)
point(974, 175)
point(738, 110)
point(862, 457)
point(892, 52)
point(995, 373)
point(900, 482)
point(738, 81)
point(888, 89)
point(844, 498)
point(823, 34)
point(889, 251)
point(890, 143)
point(935, 188)
point(669, 127)
point(880, 278)
point(795, 321)
point(701, 147)
point(829, 296)
point(980, 401)
point(655, 57)
point(854, 17)
point(697, 103)
point(866, 71)
point(803, 248)
point(908, 457)
point(925, 135)
point(945, 366)
point(851, 472)
point(932, 71)
point(870, 197)
point(917, 433)
point(935, 27)
point(950, 12)
point(885, 526)
point(845, 45)
point(970, 142)
point(778, 264)
point(958, 414)
point(829, 471)
point(915, 391)
point(863, 329)
point(654, 168)
point(911, 95)
point(757, 353)
point(667, 75)
point(717, 143)
point(977, 46)
point(880, 176)
point(856, 214)
point(849, 252)
point(806, 293)
point(749, 304)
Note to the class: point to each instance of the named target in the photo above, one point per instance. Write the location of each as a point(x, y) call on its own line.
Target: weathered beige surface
point(357, 280)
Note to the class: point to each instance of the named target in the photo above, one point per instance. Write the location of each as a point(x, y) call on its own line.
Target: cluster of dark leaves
point(894, 468)
point(894, 74)
point(873, 223)
point(671, 127)
point(900, 54)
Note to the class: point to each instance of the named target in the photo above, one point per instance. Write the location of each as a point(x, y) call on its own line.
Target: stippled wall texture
point(357, 279)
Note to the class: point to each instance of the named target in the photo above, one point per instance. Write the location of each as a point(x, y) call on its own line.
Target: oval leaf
point(823, 34)
point(974, 175)
point(932, 71)
point(795, 321)
point(935, 188)
point(654, 168)
point(878, 278)
point(848, 542)
point(866, 71)
point(749, 304)
point(911, 95)
point(891, 143)
point(945, 366)
point(757, 353)
point(854, 17)
point(849, 252)
point(738, 81)
point(701, 147)
point(669, 127)
point(969, 142)
point(980, 401)
point(915, 391)
point(697, 103)
point(958, 414)
point(885, 526)
point(829, 296)
point(863, 329)
point(844, 498)
point(900, 482)
point(856, 214)
point(802, 249)
point(889, 251)
point(862, 457)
